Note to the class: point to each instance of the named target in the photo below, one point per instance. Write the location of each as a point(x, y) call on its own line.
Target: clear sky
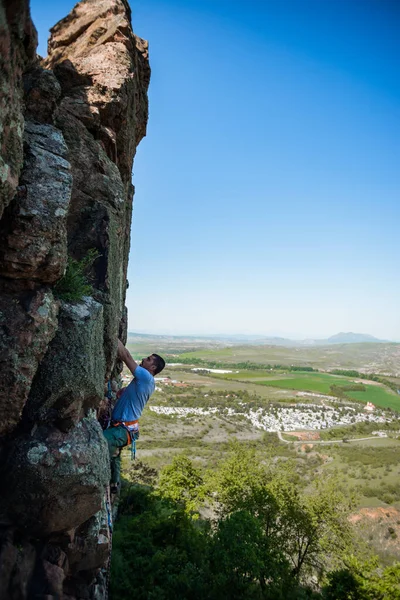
point(268, 187)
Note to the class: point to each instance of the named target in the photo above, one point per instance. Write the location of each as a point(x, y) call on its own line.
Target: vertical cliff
point(69, 129)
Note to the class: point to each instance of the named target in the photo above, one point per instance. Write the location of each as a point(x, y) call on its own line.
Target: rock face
point(104, 74)
point(69, 129)
point(28, 322)
point(60, 476)
point(18, 40)
point(33, 231)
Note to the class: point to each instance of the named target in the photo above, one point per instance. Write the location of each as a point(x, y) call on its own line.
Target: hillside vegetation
point(217, 506)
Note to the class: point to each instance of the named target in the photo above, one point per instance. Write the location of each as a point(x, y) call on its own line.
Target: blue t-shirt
point(132, 402)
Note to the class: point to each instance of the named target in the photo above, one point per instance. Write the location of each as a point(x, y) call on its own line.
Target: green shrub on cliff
point(75, 284)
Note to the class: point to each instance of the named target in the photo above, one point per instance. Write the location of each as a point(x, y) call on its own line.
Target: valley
point(324, 424)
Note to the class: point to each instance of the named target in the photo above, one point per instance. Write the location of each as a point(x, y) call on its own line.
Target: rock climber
point(124, 427)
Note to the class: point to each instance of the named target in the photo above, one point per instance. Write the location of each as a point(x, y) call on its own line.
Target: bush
point(74, 285)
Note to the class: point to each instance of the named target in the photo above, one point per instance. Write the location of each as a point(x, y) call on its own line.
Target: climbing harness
point(132, 429)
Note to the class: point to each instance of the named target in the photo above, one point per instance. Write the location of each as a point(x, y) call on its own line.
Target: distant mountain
point(352, 338)
point(253, 340)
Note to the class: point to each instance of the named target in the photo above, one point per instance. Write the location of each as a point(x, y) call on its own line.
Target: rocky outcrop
point(69, 129)
point(18, 40)
point(28, 322)
point(33, 231)
point(104, 74)
point(70, 380)
point(60, 476)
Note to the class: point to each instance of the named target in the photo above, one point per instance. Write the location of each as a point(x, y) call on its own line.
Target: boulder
point(97, 42)
point(97, 219)
point(60, 476)
point(67, 190)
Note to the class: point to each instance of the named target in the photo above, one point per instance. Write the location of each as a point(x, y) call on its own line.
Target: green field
point(379, 396)
point(320, 383)
point(309, 382)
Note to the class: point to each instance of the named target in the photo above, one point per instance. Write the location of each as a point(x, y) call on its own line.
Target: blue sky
point(268, 186)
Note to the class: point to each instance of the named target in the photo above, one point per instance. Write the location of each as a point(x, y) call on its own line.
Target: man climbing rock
point(124, 427)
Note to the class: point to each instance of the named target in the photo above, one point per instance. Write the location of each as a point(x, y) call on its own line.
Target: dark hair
point(159, 362)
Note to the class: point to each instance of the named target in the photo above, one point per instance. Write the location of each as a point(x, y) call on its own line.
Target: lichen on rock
point(60, 476)
point(33, 233)
point(70, 379)
point(18, 40)
point(28, 322)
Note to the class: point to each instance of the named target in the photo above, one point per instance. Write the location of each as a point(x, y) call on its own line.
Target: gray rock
point(70, 379)
point(55, 460)
point(98, 219)
point(28, 322)
point(18, 40)
point(90, 547)
point(33, 234)
point(60, 477)
point(41, 93)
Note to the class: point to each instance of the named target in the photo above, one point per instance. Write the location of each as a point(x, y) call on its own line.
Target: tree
point(243, 562)
point(363, 581)
point(158, 550)
point(315, 528)
point(241, 483)
point(183, 483)
point(310, 529)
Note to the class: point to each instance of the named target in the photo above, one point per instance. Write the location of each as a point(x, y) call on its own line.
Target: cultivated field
point(322, 383)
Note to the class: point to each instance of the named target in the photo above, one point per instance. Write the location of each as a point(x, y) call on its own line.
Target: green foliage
point(343, 585)
point(387, 492)
point(340, 390)
point(75, 282)
point(268, 541)
point(182, 483)
point(158, 551)
point(347, 373)
point(363, 581)
point(314, 525)
point(246, 564)
point(370, 456)
point(305, 527)
point(370, 376)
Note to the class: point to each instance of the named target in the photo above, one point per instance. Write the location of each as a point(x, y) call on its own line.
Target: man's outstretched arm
point(126, 357)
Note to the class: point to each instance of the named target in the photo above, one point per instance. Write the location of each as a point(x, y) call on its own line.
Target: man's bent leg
point(117, 438)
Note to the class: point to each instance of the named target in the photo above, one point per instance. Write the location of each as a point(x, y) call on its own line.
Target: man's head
point(154, 364)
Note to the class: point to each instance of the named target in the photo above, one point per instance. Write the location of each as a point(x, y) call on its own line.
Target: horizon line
point(262, 335)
